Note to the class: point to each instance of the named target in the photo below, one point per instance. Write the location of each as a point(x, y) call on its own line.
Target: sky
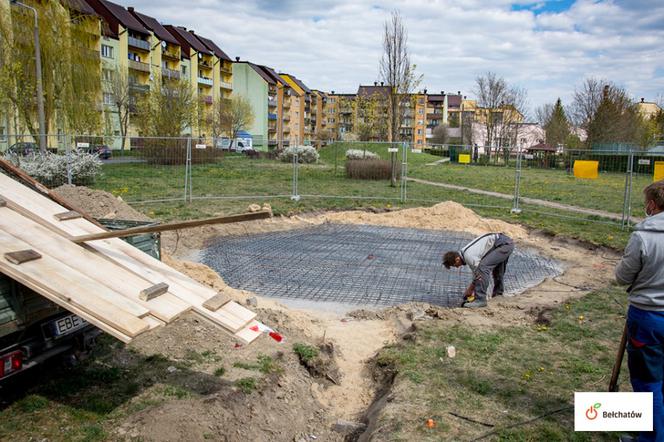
point(546, 47)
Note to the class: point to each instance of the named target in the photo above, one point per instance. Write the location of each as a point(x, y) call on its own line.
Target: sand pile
point(443, 216)
point(99, 204)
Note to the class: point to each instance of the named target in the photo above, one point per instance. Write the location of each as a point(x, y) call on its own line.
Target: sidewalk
point(526, 200)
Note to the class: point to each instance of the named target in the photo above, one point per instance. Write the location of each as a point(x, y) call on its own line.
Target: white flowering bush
point(305, 154)
point(360, 154)
point(51, 169)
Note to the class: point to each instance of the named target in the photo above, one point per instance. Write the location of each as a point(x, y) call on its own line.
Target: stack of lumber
point(108, 282)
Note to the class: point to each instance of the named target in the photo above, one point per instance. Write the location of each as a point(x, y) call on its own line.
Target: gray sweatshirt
point(642, 265)
point(473, 252)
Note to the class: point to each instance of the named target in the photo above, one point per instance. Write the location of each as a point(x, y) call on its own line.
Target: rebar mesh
point(360, 264)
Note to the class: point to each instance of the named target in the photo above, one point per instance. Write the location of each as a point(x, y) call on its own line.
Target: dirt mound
point(99, 204)
point(443, 216)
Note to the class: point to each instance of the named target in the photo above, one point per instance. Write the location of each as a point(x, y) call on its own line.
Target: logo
point(591, 412)
point(599, 411)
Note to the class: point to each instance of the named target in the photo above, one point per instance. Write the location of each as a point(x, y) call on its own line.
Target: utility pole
point(40, 89)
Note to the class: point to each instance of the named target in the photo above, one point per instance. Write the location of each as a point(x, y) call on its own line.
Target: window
point(108, 99)
point(107, 51)
point(421, 101)
point(420, 111)
point(419, 141)
point(107, 75)
point(420, 122)
point(419, 131)
point(184, 70)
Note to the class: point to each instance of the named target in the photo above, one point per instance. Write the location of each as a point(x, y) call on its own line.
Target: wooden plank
point(247, 335)
point(21, 256)
point(3, 202)
point(41, 210)
point(241, 312)
point(54, 280)
point(216, 302)
point(153, 322)
point(252, 216)
point(36, 185)
point(167, 307)
point(153, 291)
point(64, 216)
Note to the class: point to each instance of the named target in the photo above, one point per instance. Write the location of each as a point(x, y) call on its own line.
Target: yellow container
point(464, 158)
point(586, 169)
point(658, 173)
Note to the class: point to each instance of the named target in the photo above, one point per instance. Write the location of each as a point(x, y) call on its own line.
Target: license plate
point(68, 324)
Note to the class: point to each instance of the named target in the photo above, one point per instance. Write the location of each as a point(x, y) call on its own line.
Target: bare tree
point(118, 88)
point(503, 109)
point(397, 72)
point(440, 134)
point(235, 114)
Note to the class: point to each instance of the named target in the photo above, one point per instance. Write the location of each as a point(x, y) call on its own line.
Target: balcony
point(140, 88)
point(226, 85)
point(271, 116)
point(173, 54)
point(272, 101)
point(138, 43)
point(139, 66)
point(206, 81)
point(207, 99)
point(227, 70)
point(204, 63)
point(171, 74)
point(286, 117)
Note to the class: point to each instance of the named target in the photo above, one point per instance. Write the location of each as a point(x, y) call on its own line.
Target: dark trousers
point(645, 358)
point(494, 264)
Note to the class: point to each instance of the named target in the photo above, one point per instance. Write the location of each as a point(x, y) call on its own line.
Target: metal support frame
point(627, 195)
point(517, 184)
point(295, 195)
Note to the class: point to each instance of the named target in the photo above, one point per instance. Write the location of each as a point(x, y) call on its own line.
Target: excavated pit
point(360, 265)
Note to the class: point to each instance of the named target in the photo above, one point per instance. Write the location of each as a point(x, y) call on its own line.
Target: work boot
point(477, 303)
point(493, 295)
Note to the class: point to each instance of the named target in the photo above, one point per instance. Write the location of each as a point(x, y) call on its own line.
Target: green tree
point(70, 68)
point(557, 126)
point(167, 110)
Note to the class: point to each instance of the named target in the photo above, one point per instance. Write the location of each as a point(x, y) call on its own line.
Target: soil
point(99, 204)
point(293, 405)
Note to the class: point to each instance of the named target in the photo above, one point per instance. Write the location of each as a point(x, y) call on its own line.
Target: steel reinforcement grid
point(360, 264)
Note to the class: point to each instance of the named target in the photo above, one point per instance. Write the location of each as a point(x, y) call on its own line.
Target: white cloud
point(335, 45)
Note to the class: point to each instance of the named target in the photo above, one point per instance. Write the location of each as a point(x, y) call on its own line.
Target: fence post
point(295, 196)
point(404, 172)
point(68, 155)
point(187, 173)
point(627, 195)
point(517, 183)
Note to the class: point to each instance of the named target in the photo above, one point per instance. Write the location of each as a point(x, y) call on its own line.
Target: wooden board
point(127, 284)
point(22, 256)
point(153, 291)
point(216, 302)
point(247, 335)
point(65, 286)
point(64, 216)
point(42, 210)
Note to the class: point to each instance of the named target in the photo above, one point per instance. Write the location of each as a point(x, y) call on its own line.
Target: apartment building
point(269, 97)
point(301, 131)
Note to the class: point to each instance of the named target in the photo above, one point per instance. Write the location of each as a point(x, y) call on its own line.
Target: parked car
point(23, 149)
point(102, 151)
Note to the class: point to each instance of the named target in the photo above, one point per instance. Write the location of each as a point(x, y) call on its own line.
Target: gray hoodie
point(473, 252)
point(642, 264)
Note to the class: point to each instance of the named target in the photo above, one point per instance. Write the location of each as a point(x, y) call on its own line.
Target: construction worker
point(487, 256)
point(642, 268)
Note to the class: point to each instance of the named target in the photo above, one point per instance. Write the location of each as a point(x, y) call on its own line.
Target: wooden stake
point(21, 256)
point(216, 302)
point(153, 291)
point(173, 226)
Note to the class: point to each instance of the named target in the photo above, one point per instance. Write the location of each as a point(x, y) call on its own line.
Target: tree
point(503, 108)
point(118, 88)
point(397, 72)
point(167, 110)
point(440, 134)
point(556, 127)
point(235, 114)
point(70, 68)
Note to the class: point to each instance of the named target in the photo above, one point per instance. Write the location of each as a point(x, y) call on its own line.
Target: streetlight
point(40, 90)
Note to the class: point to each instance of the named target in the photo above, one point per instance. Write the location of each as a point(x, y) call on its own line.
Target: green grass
point(306, 353)
point(507, 374)
point(265, 364)
point(247, 385)
point(323, 186)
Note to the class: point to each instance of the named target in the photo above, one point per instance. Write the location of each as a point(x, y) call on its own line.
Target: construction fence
point(159, 172)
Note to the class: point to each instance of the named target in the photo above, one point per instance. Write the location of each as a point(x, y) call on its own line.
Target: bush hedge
point(372, 169)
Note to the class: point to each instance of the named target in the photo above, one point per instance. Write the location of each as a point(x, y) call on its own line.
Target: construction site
point(301, 327)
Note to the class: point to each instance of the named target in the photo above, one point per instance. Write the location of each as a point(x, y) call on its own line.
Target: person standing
point(487, 257)
point(642, 269)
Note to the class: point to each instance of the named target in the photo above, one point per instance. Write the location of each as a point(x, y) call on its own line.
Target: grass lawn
point(505, 375)
point(323, 186)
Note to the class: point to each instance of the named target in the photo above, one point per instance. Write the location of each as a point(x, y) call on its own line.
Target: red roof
point(187, 40)
point(542, 147)
point(156, 27)
point(115, 15)
point(213, 47)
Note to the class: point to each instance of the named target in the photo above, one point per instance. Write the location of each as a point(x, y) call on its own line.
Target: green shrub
point(305, 352)
point(370, 169)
